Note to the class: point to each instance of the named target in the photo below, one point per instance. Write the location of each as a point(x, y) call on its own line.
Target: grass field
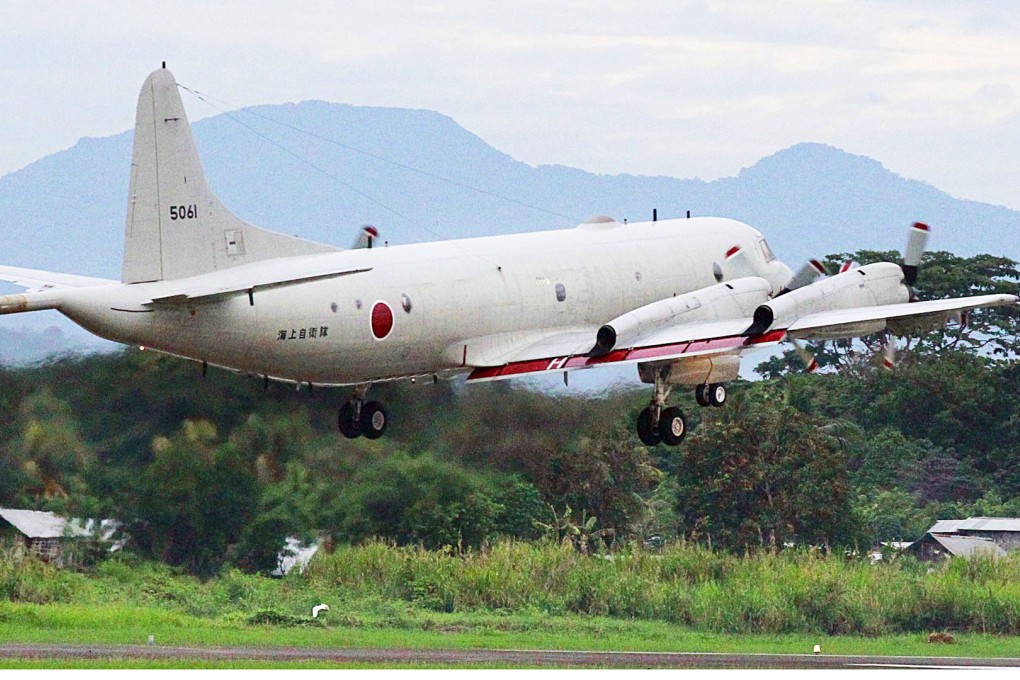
point(415, 629)
point(522, 596)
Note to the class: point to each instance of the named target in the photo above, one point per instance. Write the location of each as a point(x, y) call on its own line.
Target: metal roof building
point(974, 524)
point(968, 537)
point(939, 546)
point(42, 532)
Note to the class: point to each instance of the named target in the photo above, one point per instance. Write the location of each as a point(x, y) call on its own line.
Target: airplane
point(682, 299)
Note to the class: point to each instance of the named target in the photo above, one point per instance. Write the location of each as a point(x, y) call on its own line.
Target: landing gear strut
point(656, 424)
point(358, 417)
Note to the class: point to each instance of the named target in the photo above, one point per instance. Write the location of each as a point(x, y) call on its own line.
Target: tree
point(420, 500)
point(603, 477)
point(52, 458)
point(761, 473)
point(197, 496)
point(290, 507)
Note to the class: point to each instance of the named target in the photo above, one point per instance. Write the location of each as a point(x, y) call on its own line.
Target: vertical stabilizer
point(176, 227)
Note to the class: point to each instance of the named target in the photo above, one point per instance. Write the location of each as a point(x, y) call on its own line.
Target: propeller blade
point(736, 264)
point(810, 363)
point(889, 353)
point(366, 237)
point(847, 266)
point(807, 275)
point(917, 240)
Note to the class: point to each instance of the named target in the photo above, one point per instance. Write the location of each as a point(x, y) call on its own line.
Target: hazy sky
point(930, 88)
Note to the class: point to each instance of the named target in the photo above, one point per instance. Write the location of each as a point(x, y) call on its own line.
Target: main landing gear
point(710, 395)
point(660, 424)
point(359, 417)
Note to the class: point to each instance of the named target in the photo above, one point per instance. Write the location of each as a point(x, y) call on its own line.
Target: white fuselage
point(453, 303)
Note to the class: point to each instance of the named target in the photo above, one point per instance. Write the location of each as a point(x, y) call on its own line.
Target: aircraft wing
point(568, 351)
point(680, 341)
point(848, 323)
point(37, 280)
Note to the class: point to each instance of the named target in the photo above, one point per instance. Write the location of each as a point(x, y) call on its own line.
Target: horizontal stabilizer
point(35, 279)
point(202, 294)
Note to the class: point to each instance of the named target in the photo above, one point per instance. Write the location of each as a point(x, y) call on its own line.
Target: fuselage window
point(405, 302)
point(766, 251)
point(561, 292)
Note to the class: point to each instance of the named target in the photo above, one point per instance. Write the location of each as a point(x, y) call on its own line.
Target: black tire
point(701, 395)
point(648, 435)
point(347, 423)
point(717, 394)
point(373, 420)
point(672, 426)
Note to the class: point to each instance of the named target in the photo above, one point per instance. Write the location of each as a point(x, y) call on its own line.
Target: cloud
point(679, 88)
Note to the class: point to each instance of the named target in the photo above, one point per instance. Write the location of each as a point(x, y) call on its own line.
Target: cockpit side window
point(766, 251)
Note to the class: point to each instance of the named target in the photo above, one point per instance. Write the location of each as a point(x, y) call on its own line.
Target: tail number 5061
point(183, 212)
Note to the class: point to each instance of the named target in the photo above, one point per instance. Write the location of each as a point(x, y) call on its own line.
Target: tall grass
point(789, 592)
point(793, 591)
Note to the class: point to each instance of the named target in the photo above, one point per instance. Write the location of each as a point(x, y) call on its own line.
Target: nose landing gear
point(710, 395)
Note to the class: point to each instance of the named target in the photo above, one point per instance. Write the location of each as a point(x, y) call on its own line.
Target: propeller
point(889, 354)
point(917, 240)
point(810, 363)
point(366, 237)
point(735, 265)
point(811, 271)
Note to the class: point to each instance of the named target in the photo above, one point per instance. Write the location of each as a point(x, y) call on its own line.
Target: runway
point(503, 658)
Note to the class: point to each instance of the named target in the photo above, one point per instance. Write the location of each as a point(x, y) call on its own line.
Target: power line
point(376, 156)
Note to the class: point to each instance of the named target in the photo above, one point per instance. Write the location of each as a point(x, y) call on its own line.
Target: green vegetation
point(533, 586)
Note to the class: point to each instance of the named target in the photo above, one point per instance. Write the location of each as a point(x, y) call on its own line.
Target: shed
point(943, 546)
point(1004, 531)
point(42, 533)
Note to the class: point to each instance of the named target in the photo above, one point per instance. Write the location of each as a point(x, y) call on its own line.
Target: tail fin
point(176, 227)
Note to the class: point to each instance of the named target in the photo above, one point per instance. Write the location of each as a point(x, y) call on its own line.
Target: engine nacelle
point(874, 284)
point(731, 300)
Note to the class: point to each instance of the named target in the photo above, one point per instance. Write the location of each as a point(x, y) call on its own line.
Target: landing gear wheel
point(373, 420)
point(349, 426)
point(672, 426)
point(717, 394)
point(701, 395)
point(646, 431)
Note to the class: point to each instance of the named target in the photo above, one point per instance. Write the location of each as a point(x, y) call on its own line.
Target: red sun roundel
point(382, 320)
